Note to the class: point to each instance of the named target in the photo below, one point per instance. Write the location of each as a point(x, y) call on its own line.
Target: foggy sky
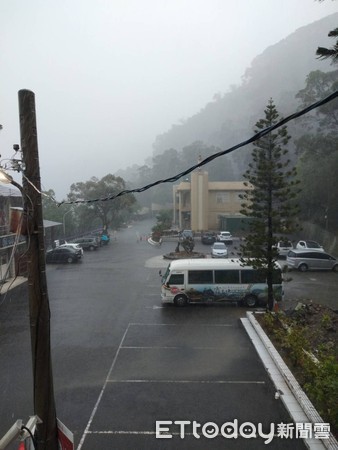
point(110, 75)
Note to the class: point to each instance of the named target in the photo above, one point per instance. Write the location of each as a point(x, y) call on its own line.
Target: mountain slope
point(278, 73)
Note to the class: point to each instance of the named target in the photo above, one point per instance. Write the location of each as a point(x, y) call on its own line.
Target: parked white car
point(224, 236)
point(283, 247)
point(309, 245)
point(219, 250)
point(76, 247)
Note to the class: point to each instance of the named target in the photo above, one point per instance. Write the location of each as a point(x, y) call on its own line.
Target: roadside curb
point(288, 389)
point(151, 242)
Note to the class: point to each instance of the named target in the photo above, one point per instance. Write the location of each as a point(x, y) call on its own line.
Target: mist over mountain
point(278, 73)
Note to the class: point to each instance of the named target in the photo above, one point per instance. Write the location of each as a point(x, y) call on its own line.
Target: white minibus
point(208, 280)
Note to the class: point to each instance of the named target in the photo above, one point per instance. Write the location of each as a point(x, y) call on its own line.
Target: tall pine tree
point(269, 200)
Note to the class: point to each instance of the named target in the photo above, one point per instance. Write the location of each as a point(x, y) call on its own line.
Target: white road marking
point(107, 381)
point(198, 325)
point(153, 347)
point(189, 381)
point(154, 307)
point(101, 393)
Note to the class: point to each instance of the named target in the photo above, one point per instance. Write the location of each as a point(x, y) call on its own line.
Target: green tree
point(51, 211)
point(332, 53)
point(318, 86)
point(269, 200)
point(318, 151)
point(104, 212)
point(164, 220)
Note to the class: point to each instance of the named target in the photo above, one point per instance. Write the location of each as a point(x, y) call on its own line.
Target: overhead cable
point(205, 161)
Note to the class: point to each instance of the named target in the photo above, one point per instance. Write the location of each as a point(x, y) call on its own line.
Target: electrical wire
point(31, 435)
point(34, 187)
point(205, 161)
point(202, 163)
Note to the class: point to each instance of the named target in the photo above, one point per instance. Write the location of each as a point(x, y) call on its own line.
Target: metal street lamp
point(64, 222)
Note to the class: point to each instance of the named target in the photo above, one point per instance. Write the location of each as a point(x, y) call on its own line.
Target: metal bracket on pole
point(19, 431)
point(12, 434)
point(30, 425)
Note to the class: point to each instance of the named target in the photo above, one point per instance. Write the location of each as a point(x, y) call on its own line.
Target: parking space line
point(109, 381)
point(86, 431)
point(198, 325)
point(167, 347)
point(128, 432)
point(189, 381)
point(153, 433)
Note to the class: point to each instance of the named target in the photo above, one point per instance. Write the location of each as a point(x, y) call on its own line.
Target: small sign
point(65, 437)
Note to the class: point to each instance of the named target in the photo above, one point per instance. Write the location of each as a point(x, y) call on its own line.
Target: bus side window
point(200, 277)
point(176, 278)
point(226, 276)
point(252, 276)
point(277, 277)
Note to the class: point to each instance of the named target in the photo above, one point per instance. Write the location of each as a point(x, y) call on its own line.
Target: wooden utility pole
point(44, 403)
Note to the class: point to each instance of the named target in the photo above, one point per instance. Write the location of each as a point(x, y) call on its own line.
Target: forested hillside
point(278, 73)
point(289, 73)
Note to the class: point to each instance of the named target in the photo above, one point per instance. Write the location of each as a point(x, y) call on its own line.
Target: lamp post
point(64, 222)
point(7, 179)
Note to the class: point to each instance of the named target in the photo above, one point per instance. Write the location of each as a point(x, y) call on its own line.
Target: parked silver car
point(309, 245)
point(219, 250)
point(304, 260)
point(87, 243)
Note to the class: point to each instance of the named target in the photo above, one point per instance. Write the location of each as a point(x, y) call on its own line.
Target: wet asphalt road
point(121, 361)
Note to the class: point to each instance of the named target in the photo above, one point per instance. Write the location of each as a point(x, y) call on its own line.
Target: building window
point(222, 197)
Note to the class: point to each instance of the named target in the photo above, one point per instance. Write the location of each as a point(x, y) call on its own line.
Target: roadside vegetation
point(163, 222)
point(306, 337)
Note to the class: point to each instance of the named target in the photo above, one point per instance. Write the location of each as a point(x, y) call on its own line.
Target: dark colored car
point(208, 238)
point(62, 255)
point(87, 243)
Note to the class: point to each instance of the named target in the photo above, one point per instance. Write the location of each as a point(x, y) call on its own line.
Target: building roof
point(216, 186)
point(227, 186)
point(50, 223)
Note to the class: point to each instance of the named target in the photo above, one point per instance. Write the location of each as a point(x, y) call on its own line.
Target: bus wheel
point(250, 301)
point(181, 300)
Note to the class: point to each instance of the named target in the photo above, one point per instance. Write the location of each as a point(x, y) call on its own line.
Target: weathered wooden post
point(43, 394)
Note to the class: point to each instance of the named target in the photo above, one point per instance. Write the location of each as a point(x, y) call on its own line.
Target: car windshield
point(219, 246)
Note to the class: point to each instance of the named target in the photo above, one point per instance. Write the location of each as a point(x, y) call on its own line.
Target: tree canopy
point(269, 200)
point(108, 213)
point(317, 149)
point(330, 53)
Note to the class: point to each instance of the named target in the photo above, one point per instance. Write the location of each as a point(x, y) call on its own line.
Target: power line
point(205, 161)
